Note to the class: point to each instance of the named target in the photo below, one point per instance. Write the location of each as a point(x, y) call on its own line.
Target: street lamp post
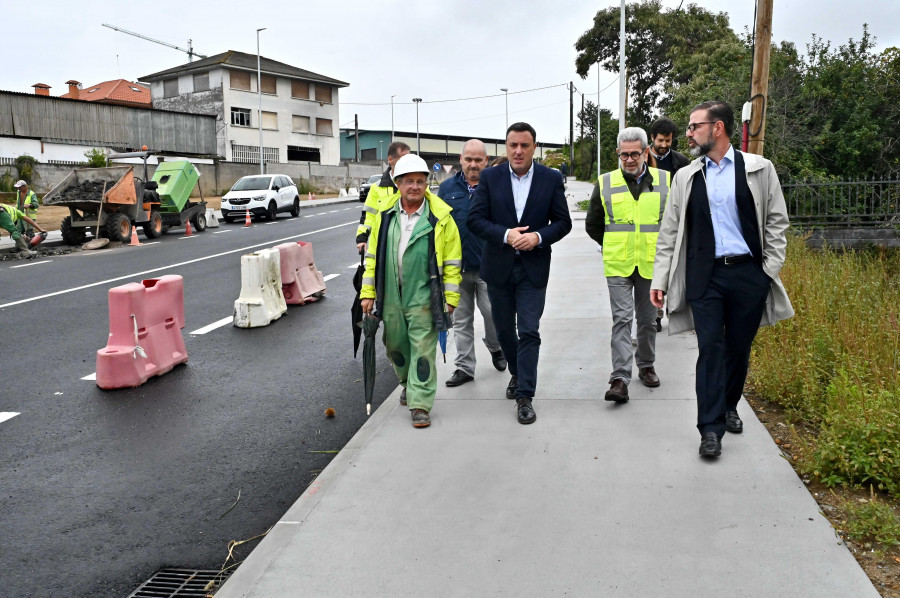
point(381, 149)
point(259, 92)
point(506, 92)
point(418, 144)
point(392, 117)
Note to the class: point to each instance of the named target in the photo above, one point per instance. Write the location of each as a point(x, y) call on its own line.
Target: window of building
point(301, 124)
point(300, 90)
point(170, 88)
point(249, 154)
point(296, 153)
point(368, 155)
point(240, 117)
point(240, 80)
point(269, 120)
point(268, 84)
point(323, 93)
point(201, 81)
point(323, 126)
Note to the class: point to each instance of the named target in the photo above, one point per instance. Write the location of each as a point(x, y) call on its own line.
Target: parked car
point(364, 188)
point(264, 195)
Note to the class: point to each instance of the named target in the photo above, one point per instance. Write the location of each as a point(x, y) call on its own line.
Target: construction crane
point(190, 49)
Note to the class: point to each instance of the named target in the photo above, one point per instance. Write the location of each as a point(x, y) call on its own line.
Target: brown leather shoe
point(618, 391)
point(648, 377)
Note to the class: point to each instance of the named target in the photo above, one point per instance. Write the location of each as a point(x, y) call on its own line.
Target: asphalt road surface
point(100, 489)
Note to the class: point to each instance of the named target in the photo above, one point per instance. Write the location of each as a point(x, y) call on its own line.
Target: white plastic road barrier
point(212, 221)
point(261, 300)
point(342, 193)
point(353, 191)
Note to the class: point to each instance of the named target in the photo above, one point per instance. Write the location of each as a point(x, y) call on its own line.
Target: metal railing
point(873, 203)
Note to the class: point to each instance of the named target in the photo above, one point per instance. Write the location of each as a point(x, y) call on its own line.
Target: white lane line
point(191, 237)
point(321, 213)
point(310, 216)
point(172, 266)
point(5, 415)
point(276, 222)
point(90, 376)
point(219, 232)
point(333, 211)
point(330, 276)
point(214, 325)
point(351, 266)
point(31, 264)
point(151, 242)
point(345, 209)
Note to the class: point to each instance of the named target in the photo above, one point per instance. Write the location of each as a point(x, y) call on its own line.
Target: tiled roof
point(117, 91)
point(243, 61)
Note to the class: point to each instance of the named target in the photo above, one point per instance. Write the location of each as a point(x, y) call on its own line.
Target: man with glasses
point(624, 216)
point(721, 246)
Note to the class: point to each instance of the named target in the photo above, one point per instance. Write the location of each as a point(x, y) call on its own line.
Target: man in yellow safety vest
point(624, 216)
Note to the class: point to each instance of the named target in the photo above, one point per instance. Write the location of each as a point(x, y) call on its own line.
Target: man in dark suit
point(520, 210)
point(720, 248)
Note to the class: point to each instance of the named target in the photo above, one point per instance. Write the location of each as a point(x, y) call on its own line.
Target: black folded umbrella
point(356, 312)
point(369, 326)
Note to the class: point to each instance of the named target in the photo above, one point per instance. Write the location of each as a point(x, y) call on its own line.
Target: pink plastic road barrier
point(145, 322)
point(301, 282)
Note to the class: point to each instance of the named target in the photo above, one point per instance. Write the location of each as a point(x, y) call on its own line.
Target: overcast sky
point(433, 50)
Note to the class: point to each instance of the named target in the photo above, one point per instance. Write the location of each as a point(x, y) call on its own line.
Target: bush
point(96, 158)
point(304, 187)
point(25, 167)
point(834, 365)
point(873, 521)
point(6, 182)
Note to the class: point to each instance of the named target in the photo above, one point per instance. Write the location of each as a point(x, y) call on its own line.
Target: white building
point(300, 121)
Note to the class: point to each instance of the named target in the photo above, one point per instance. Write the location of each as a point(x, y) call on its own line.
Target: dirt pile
point(86, 191)
point(7, 256)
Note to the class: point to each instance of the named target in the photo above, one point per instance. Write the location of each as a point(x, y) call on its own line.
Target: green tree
point(25, 167)
point(96, 158)
point(654, 38)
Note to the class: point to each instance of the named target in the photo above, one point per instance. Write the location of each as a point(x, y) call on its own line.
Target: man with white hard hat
point(411, 281)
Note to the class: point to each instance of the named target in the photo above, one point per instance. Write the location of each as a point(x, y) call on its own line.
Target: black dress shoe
point(710, 445)
point(459, 378)
point(512, 388)
point(498, 360)
point(648, 377)
point(733, 422)
point(524, 411)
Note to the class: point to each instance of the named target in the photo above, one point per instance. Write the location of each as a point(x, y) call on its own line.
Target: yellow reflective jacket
point(379, 198)
point(447, 248)
point(631, 226)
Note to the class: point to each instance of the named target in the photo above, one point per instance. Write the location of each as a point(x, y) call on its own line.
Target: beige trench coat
point(671, 246)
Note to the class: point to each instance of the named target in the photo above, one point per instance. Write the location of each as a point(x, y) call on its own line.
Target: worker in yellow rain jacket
point(411, 281)
point(380, 195)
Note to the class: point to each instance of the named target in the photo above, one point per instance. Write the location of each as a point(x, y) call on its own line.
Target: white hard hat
point(409, 163)
point(20, 183)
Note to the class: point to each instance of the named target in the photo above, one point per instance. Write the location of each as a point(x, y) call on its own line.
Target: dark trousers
point(726, 318)
point(516, 308)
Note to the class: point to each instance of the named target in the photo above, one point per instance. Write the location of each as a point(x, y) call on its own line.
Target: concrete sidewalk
point(593, 499)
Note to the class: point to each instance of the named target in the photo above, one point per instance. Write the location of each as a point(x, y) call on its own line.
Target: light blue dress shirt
point(720, 189)
point(521, 187)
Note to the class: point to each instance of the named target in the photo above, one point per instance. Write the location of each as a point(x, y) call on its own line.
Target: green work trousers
point(7, 224)
point(409, 334)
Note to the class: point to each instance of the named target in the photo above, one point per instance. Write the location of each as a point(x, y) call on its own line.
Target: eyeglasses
point(693, 126)
point(630, 155)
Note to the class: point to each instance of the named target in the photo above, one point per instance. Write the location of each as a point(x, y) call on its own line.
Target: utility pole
point(581, 118)
point(356, 134)
point(262, 168)
point(572, 125)
point(622, 74)
point(759, 78)
point(598, 122)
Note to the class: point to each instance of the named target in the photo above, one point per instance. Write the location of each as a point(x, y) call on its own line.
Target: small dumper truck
point(106, 200)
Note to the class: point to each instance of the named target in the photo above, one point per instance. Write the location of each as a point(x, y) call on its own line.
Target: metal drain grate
point(179, 583)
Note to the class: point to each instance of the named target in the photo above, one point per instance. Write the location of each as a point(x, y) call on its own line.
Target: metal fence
point(874, 203)
point(249, 154)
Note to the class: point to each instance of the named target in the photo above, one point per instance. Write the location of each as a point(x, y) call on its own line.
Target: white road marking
point(214, 325)
point(5, 415)
point(90, 376)
point(332, 211)
point(219, 232)
point(276, 222)
point(172, 266)
point(310, 216)
point(191, 237)
point(345, 209)
point(321, 213)
point(330, 276)
point(31, 264)
point(351, 266)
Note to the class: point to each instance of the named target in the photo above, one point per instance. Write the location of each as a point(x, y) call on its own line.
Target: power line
point(495, 95)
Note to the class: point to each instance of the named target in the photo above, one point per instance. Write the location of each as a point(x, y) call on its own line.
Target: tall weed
point(834, 365)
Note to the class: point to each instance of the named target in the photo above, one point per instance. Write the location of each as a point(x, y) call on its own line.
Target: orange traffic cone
point(134, 238)
point(187, 229)
point(314, 195)
point(247, 219)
